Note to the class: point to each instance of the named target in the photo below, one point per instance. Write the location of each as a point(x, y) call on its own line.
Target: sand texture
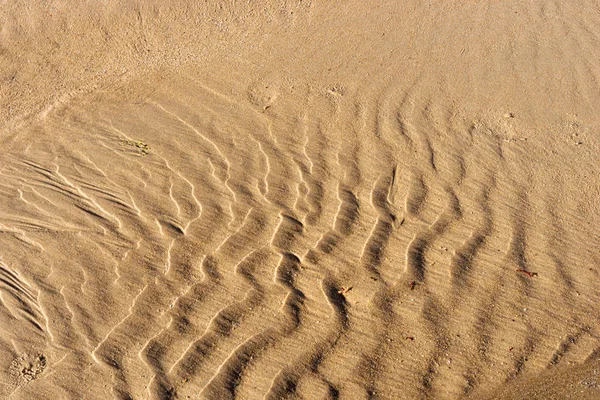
point(296, 199)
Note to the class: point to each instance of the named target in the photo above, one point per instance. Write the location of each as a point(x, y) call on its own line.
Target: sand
point(299, 199)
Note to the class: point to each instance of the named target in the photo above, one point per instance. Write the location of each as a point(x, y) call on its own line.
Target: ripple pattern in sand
point(196, 243)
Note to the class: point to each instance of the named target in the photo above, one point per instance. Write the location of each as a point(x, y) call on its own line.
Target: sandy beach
point(296, 199)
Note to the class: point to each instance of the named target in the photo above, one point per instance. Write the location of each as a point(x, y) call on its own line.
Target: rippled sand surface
point(300, 199)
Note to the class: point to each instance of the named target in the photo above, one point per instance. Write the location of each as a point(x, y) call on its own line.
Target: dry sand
point(299, 199)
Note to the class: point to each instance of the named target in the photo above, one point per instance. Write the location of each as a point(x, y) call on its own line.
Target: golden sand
point(299, 199)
